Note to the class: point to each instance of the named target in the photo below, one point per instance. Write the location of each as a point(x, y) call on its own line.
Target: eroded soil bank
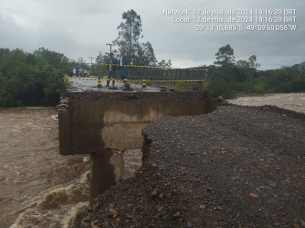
point(235, 167)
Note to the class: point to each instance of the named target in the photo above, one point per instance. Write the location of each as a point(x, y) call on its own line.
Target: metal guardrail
point(160, 75)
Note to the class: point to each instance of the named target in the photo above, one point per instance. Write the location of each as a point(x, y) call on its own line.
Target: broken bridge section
point(93, 121)
point(103, 123)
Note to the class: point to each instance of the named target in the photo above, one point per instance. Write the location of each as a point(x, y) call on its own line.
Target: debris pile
point(235, 167)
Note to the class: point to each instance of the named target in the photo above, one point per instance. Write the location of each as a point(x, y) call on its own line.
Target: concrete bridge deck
point(85, 84)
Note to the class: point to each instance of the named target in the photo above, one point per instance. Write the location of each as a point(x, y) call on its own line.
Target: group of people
point(78, 72)
point(113, 64)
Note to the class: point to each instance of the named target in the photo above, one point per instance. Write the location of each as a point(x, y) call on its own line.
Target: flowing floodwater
point(290, 101)
point(38, 186)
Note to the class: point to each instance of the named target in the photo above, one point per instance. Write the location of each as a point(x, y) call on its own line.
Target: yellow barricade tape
point(131, 80)
point(153, 67)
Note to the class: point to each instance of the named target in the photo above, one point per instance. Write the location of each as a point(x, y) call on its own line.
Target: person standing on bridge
point(124, 63)
point(111, 68)
point(74, 72)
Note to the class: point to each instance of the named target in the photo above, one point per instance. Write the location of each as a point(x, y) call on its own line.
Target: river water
point(38, 186)
point(290, 101)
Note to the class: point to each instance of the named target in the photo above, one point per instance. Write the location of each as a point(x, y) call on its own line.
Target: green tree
point(128, 38)
point(29, 78)
point(144, 55)
point(49, 57)
point(129, 33)
point(225, 57)
point(247, 69)
point(163, 63)
point(3, 52)
point(223, 78)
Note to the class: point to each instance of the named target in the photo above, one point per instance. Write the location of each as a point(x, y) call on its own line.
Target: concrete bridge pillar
point(106, 169)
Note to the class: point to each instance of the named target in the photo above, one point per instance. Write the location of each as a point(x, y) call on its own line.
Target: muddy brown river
point(39, 187)
point(291, 101)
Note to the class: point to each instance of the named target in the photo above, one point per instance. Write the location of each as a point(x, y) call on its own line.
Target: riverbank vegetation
point(29, 79)
point(228, 77)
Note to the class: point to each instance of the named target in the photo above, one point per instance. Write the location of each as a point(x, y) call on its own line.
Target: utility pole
point(91, 61)
point(110, 46)
point(130, 47)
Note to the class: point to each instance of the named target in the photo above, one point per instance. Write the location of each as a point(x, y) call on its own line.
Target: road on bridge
point(90, 84)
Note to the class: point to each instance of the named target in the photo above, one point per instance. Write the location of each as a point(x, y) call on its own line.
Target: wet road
point(85, 84)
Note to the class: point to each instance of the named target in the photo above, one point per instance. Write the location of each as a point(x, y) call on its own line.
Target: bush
point(29, 79)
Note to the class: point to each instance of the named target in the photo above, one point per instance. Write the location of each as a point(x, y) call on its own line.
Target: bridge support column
point(106, 169)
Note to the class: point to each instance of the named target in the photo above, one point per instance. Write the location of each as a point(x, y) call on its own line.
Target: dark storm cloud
point(82, 28)
point(12, 35)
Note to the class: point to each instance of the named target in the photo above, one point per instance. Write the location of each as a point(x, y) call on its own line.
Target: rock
point(90, 209)
point(87, 219)
point(112, 211)
point(189, 224)
point(177, 214)
point(105, 224)
point(302, 223)
point(153, 194)
point(161, 196)
point(296, 226)
point(118, 220)
point(94, 224)
point(202, 207)
point(84, 224)
point(220, 208)
point(253, 195)
point(160, 208)
point(95, 207)
point(111, 206)
point(99, 218)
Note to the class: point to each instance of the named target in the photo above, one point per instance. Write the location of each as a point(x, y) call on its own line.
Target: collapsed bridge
point(104, 123)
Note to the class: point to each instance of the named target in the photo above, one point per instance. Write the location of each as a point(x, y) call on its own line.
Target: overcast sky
point(79, 28)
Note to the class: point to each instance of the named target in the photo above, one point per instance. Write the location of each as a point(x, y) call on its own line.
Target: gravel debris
point(236, 167)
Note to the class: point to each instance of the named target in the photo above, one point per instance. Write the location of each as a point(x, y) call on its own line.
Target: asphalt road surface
point(90, 84)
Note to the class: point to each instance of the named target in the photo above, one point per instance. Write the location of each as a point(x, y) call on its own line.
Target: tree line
point(228, 77)
point(31, 79)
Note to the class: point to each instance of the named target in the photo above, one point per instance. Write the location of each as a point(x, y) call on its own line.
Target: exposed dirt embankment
point(235, 167)
point(138, 95)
